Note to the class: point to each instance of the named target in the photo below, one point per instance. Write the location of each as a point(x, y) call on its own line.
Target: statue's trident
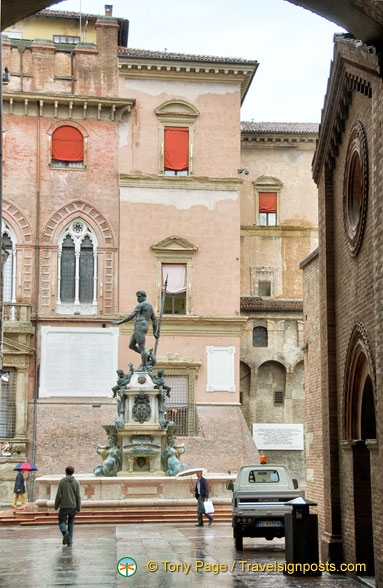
point(161, 313)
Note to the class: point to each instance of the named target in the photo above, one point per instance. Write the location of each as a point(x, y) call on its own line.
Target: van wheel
point(239, 543)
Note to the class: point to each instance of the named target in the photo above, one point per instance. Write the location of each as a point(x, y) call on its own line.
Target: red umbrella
point(25, 466)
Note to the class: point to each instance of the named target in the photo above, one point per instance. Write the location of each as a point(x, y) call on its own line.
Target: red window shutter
point(176, 151)
point(67, 144)
point(267, 202)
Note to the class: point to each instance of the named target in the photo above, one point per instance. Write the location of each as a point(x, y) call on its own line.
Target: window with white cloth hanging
point(175, 300)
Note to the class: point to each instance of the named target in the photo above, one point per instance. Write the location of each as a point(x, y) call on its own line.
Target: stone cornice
point(140, 67)
point(350, 61)
point(265, 140)
point(173, 362)
point(196, 326)
point(278, 231)
point(180, 182)
point(65, 106)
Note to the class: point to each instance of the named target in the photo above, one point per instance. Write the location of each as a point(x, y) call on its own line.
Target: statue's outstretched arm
point(127, 318)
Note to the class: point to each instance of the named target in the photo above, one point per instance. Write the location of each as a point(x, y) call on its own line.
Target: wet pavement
point(34, 557)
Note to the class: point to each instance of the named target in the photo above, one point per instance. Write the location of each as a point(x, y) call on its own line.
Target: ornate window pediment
point(176, 126)
point(179, 252)
point(174, 243)
point(176, 109)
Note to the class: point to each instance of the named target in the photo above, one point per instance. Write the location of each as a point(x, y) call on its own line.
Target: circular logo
point(126, 566)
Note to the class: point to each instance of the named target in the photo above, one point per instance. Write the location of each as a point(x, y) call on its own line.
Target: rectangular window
point(175, 300)
point(278, 397)
point(179, 409)
point(265, 476)
point(66, 39)
point(176, 151)
point(264, 288)
point(267, 208)
point(8, 404)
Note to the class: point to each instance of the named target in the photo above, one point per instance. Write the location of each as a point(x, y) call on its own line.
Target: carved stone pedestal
point(142, 440)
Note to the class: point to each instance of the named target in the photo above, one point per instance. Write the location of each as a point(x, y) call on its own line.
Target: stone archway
point(364, 544)
point(359, 423)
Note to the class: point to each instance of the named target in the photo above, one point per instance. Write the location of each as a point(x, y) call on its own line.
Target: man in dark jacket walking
point(202, 494)
point(68, 500)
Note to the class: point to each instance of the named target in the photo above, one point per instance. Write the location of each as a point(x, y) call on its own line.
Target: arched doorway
point(360, 425)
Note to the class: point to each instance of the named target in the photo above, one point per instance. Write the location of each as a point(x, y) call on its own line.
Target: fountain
point(141, 464)
point(141, 441)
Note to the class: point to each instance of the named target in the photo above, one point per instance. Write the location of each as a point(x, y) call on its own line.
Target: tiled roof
point(279, 127)
point(146, 54)
point(66, 14)
point(257, 303)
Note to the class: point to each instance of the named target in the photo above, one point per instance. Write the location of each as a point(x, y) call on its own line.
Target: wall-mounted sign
point(275, 436)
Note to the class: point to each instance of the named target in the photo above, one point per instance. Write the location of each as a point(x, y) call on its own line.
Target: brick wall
point(313, 397)
point(349, 291)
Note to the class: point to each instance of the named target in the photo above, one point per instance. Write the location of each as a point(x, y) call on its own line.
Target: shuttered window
point(176, 150)
point(86, 270)
point(267, 208)
point(67, 147)
point(67, 270)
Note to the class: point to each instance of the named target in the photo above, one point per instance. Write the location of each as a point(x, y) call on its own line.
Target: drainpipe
point(21, 51)
point(72, 71)
point(37, 284)
point(1, 198)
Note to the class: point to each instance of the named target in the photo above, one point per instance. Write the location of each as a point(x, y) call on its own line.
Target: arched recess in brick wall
point(359, 387)
point(244, 391)
point(359, 424)
point(298, 393)
point(106, 254)
point(22, 259)
point(271, 390)
point(79, 208)
point(18, 221)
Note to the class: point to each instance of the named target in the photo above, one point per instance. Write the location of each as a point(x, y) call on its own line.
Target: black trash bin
point(301, 539)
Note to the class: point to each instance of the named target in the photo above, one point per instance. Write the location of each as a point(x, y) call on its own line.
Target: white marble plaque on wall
point(78, 361)
point(220, 369)
point(278, 436)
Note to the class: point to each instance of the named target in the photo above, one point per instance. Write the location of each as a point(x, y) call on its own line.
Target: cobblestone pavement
point(34, 557)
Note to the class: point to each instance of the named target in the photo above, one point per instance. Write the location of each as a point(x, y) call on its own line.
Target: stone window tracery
point(77, 270)
point(355, 194)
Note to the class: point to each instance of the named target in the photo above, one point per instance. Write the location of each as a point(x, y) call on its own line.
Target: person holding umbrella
point(19, 489)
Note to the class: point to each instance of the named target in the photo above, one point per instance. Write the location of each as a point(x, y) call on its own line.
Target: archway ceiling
point(14, 10)
point(362, 18)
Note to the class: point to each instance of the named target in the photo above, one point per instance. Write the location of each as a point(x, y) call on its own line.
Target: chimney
point(108, 9)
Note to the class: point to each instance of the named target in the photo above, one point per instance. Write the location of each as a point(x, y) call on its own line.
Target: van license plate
point(269, 524)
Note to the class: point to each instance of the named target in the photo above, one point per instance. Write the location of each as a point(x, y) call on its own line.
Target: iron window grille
point(8, 405)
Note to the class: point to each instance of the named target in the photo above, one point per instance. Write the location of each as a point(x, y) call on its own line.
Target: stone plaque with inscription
point(78, 361)
point(275, 436)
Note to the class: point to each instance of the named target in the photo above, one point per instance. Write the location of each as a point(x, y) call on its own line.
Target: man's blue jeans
point(66, 516)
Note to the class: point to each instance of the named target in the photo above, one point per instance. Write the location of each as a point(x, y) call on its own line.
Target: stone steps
point(86, 517)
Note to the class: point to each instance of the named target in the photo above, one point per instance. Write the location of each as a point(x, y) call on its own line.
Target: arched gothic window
point(9, 269)
point(77, 270)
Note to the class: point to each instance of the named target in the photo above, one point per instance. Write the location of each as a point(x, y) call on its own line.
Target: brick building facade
point(94, 211)
point(347, 168)
point(278, 223)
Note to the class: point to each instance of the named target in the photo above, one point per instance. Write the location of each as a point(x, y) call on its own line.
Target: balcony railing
point(17, 312)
